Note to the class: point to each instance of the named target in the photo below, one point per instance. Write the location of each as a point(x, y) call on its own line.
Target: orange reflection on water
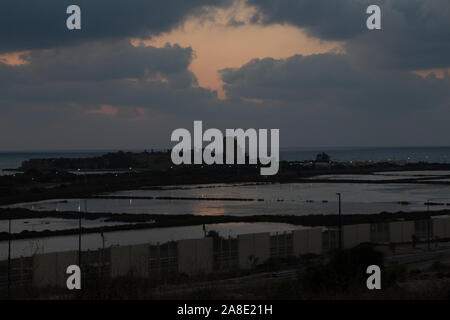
point(209, 208)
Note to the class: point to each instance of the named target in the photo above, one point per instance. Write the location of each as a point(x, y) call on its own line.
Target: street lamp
point(103, 251)
point(9, 256)
point(79, 239)
point(340, 221)
point(79, 223)
point(429, 225)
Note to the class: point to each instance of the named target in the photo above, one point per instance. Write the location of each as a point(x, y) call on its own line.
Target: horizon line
point(312, 148)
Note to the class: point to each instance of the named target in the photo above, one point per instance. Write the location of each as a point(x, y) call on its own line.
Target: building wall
point(195, 256)
point(330, 239)
point(253, 249)
point(226, 254)
point(139, 260)
point(379, 232)
point(421, 228)
point(281, 245)
point(163, 260)
point(307, 241)
point(50, 269)
point(355, 234)
point(441, 227)
point(401, 231)
point(130, 259)
point(120, 261)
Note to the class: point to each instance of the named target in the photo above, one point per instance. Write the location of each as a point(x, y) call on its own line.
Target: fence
point(207, 255)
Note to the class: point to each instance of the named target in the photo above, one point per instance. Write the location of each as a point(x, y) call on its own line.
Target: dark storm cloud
point(320, 99)
point(114, 74)
point(334, 80)
point(26, 24)
point(366, 96)
point(415, 33)
point(325, 19)
point(99, 61)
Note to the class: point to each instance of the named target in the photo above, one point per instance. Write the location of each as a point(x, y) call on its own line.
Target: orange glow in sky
point(13, 58)
point(218, 45)
point(439, 73)
point(105, 110)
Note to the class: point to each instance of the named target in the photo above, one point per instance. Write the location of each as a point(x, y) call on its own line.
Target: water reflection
point(293, 198)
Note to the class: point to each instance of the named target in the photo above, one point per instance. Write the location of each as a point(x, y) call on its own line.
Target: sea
point(13, 159)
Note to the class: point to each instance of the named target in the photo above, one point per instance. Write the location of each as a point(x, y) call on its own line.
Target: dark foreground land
point(336, 275)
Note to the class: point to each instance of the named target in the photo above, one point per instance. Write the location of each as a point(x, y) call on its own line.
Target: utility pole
point(79, 224)
point(9, 256)
point(80, 232)
point(340, 221)
point(103, 252)
point(429, 226)
point(79, 239)
point(103, 240)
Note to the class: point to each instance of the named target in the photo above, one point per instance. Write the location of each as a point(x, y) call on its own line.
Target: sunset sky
point(140, 69)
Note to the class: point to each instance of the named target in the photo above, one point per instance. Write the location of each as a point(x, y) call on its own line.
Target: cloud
point(104, 110)
point(26, 25)
point(96, 90)
point(112, 74)
point(327, 19)
point(55, 99)
point(415, 33)
point(334, 80)
point(100, 61)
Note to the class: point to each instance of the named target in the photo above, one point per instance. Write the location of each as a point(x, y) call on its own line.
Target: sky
point(137, 70)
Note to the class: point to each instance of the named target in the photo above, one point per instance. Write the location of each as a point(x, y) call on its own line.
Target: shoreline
point(34, 185)
point(150, 221)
